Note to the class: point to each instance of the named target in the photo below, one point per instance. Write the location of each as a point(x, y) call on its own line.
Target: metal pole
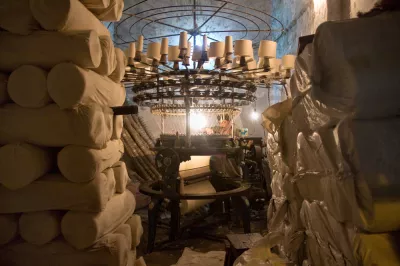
point(187, 106)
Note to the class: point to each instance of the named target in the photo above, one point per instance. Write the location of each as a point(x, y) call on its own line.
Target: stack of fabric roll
point(338, 138)
point(63, 197)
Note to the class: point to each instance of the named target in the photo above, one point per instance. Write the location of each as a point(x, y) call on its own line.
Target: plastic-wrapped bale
point(4, 97)
point(81, 164)
point(66, 16)
point(377, 249)
point(125, 230)
point(23, 163)
point(118, 74)
point(95, 3)
point(89, 126)
point(300, 82)
point(108, 60)
point(54, 192)
point(323, 175)
point(70, 86)
point(121, 176)
point(46, 49)
point(83, 229)
point(41, 227)
point(135, 223)
point(274, 115)
point(16, 17)
point(111, 250)
point(111, 13)
point(355, 66)
point(371, 148)
point(27, 87)
point(8, 227)
point(329, 239)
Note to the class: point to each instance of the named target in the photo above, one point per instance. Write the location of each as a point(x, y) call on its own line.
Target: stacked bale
point(339, 139)
point(63, 187)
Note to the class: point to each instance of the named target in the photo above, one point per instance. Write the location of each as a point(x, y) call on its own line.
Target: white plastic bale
point(70, 86)
point(83, 229)
point(40, 227)
point(16, 17)
point(81, 164)
point(89, 126)
point(125, 230)
point(121, 176)
point(46, 49)
point(23, 163)
point(66, 16)
point(111, 250)
point(300, 81)
point(118, 126)
point(135, 223)
point(355, 66)
point(27, 87)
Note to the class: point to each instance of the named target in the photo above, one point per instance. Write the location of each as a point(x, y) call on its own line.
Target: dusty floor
point(168, 254)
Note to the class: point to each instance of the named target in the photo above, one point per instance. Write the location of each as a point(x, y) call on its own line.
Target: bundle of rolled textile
point(63, 197)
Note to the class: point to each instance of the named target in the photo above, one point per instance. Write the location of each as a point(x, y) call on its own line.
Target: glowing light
point(254, 115)
point(197, 121)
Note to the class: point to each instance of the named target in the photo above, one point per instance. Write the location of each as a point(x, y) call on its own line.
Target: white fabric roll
point(118, 126)
point(121, 176)
point(95, 3)
point(40, 227)
point(89, 126)
point(125, 230)
point(135, 223)
point(204, 187)
point(16, 17)
point(83, 229)
point(112, 13)
point(70, 86)
point(108, 60)
point(47, 49)
point(4, 97)
point(119, 71)
point(82, 164)
point(8, 227)
point(111, 250)
point(27, 87)
point(22, 163)
point(54, 192)
point(66, 16)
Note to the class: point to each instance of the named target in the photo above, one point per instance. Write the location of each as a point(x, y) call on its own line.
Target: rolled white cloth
point(82, 164)
point(111, 250)
point(46, 49)
point(108, 60)
point(95, 3)
point(27, 87)
point(121, 176)
point(119, 71)
point(8, 227)
point(4, 97)
point(66, 16)
point(112, 13)
point(54, 192)
point(89, 126)
point(135, 223)
point(83, 229)
point(70, 85)
point(16, 17)
point(40, 227)
point(23, 163)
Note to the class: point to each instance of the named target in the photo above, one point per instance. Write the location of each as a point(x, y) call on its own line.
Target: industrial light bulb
point(255, 115)
point(197, 121)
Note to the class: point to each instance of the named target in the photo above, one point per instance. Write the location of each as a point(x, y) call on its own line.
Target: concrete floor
point(170, 253)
